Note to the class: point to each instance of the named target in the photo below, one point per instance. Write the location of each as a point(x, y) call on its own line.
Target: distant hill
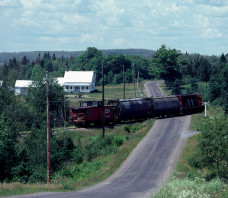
point(6, 56)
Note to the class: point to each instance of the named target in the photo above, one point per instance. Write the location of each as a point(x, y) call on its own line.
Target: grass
point(197, 188)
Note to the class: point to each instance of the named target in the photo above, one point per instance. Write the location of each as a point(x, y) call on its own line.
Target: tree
point(204, 70)
point(212, 152)
point(36, 99)
point(24, 61)
point(165, 62)
point(38, 73)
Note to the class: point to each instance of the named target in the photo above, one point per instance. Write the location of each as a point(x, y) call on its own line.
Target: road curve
point(146, 168)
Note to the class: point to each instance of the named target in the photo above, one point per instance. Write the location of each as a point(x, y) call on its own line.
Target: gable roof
point(23, 83)
point(78, 76)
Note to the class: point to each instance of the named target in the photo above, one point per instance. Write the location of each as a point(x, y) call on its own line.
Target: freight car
point(131, 109)
point(166, 106)
point(135, 109)
point(85, 116)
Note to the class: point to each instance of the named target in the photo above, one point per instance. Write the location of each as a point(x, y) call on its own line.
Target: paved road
point(147, 167)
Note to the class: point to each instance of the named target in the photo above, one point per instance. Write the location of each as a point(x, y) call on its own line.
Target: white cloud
point(31, 4)
point(77, 24)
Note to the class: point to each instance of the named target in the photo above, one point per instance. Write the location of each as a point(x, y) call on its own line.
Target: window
point(66, 87)
point(82, 87)
point(87, 87)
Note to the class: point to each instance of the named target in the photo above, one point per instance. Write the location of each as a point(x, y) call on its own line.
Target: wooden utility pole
point(103, 109)
point(123, 83)
point(133, 77)
point(48, 130)
point(137, 85)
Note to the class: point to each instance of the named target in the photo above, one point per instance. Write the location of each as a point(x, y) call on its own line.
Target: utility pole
point(48, 130)
point(123, 83)
point(133, 77)
point(103, 110)
point(137, 85)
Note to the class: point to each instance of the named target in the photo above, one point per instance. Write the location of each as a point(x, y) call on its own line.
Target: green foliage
point(212, 153)
point(36, 99)
point(165, 65)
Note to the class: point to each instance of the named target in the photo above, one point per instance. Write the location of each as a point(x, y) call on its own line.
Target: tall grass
point(197, 188)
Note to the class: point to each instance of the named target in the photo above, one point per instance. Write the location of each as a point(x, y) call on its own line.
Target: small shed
point(1, 82)
point(21, 86)
point(79, 81)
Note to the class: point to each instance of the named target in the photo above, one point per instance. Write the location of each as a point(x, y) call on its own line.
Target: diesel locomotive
point(115, 111)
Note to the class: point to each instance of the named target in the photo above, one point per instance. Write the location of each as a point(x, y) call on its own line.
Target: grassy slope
point(101, 167)
point(179, 184)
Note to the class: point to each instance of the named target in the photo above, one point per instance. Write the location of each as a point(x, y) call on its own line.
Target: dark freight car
point(167, 105)
point(129, 109)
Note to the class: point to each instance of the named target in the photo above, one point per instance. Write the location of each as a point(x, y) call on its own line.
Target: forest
point(19, 161)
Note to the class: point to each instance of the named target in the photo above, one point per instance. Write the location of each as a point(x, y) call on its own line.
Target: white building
point(1, 82)
point(78, 81)
point(21, 86)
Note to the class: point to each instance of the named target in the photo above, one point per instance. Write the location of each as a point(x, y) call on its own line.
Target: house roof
point(78, 76)
point(60, 81)
point(23, 83)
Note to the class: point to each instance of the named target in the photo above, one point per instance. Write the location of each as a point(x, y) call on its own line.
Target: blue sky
point(195, 26)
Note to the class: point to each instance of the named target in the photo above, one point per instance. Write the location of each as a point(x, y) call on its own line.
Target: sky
point(193, 26)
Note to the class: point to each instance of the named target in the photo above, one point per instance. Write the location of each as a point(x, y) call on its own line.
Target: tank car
point(166, 105)
point(132, 109)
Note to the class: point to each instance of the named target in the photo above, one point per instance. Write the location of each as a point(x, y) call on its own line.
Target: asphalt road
point(147, 167)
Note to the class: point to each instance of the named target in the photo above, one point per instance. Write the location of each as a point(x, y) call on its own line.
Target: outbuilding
point(21, 87)
point(79, 81)
point(1, 82)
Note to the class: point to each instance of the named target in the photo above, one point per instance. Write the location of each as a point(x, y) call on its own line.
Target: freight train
point(115, 111)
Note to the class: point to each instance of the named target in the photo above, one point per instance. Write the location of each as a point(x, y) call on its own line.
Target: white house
point(78, 81)
point(1, 82)
point(21, 86)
